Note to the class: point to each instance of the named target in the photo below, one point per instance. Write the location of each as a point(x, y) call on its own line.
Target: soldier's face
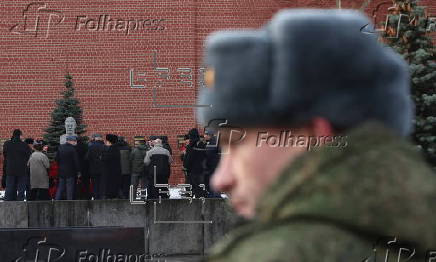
point(249, 165)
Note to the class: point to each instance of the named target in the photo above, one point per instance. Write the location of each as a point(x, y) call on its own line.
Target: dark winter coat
point(68, 161)
point(212, 156)
point(4, 174)
point(82, 151)
point(167, 146)
point(16, 154)
point(125, 158)
point(194, 158)
point(94, 157)
point(112, 170)
point(137, 159)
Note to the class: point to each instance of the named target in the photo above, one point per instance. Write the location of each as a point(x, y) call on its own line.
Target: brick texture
point(132, 61)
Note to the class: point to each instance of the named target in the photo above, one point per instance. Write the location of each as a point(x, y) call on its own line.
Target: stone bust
point(70, 129)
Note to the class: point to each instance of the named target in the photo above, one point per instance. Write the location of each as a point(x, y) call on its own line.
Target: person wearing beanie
point(16, 154)
point(314, 115)
point(69, 169)
point(111, 167)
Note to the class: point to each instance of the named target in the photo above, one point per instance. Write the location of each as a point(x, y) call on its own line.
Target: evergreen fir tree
point(65, 107)
point(417, 48)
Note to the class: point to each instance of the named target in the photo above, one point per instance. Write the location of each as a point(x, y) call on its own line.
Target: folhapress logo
point(38, 249)
point(37, 20)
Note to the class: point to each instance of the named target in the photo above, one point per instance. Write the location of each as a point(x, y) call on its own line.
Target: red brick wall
point(102, 57)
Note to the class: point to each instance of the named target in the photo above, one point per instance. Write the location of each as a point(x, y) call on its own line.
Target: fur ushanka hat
point(305, 63)
point(113, 139)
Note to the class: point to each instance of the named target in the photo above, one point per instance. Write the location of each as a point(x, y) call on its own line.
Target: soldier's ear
point(321, 127)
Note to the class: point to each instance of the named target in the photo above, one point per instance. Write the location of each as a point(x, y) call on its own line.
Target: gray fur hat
point(306, 63)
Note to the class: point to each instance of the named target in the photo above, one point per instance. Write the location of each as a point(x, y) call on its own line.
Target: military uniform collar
point(360, 140)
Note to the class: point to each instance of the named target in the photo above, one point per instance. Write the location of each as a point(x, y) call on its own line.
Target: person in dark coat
point(83, 188)
point(29, 141)
point(4, 174)
point(95, 170)
point(92, 141)
point(16, 154)
point(183, 146)
point(69, 168)
point(166, 145)
point(126, 171)
point(111, 167)
point(193, 162)
point(212, 160)
point(158, 160)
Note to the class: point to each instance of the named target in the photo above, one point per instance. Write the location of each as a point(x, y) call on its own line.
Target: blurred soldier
point(321, 165)
point(16, 154)
point(158, 160)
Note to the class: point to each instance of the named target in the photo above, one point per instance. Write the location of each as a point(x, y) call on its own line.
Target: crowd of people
point(105, 167)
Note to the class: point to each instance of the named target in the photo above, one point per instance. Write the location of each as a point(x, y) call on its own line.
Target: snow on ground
point(174, 193)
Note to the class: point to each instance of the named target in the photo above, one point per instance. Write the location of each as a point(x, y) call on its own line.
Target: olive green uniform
point(333, 203)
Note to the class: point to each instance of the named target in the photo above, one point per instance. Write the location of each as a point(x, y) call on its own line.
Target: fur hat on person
point(306, 63)
point(113, 139)
point(17, 133)
point(193, 134)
